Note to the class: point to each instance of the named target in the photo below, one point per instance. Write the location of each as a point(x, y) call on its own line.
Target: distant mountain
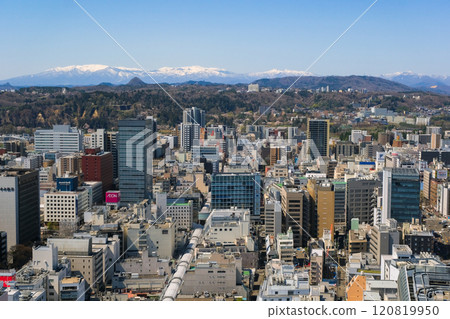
point(274, 73)
point(103, 75)
point(371, 83)
point(7, 87)
point(432, 83)
point(136, 82)
point(201, 83)
point(93, 74)
point(106, 84)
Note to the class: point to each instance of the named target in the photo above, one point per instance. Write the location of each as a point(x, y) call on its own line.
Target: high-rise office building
point(312, 188)
point(285, 246)
point(98, 167)
point(62, 138)
point(97, 139)
point(12, 145)
point(241, 190)
point(347, 149)
point(275, 155)
point(317, 260)
point(433, 130)
point(435, 141)
point(319, 132)
point(65, 206)
point(135, 140)
point(189, 134)
point(427, 178)
point(444, 202)
point(401, 194)
point(19, 209)
point(70, 164)
point(111, 146)
point(272, 217)
point(295, 205)
point(325, 208)
point(382, 237)
point(340, 202)
point(194, 115)
point(361, 199)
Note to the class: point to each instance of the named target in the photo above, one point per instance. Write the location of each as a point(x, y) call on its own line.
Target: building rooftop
point(381, 284)
point(70, 280)
point(405, 171)
point(12, 172)
point(372, 296)
point(178, 204)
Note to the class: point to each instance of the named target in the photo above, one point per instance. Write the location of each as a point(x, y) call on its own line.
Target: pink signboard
point(112, 197)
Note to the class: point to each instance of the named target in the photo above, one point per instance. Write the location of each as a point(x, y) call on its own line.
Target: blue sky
point(240, 36)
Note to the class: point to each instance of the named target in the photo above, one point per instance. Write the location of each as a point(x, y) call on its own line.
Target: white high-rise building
point(65, 206)
point(189, 133)
point(181, 213)
point(62, 138)
point(444, 200)
point(97, 139)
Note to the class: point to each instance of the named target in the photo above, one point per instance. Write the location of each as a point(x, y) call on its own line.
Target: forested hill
point(102, 106)
point(356, 82)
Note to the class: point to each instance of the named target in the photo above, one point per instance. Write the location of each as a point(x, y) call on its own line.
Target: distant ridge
point(105, 84)
point(98, 75)
point(92, 74)
point(432, 83)
point(7, 87)
point(370, 83)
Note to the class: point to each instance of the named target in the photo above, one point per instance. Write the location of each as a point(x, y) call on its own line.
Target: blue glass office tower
point(401, 194)
point(241, 190)
point(134, 141)
point(319, 132)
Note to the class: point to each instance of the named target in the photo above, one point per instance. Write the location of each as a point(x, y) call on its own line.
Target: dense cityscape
point(223, 212)
point(287, 158)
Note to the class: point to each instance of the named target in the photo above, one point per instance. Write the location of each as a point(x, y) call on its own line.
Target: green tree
point(18, 256)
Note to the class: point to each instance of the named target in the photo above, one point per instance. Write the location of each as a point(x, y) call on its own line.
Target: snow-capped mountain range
point(436, 83)
point(92, 74)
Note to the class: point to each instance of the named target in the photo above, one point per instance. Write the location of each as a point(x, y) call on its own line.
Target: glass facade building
point(241, 190)
point(401, 194)
point(319, 133)
point(135, 140)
